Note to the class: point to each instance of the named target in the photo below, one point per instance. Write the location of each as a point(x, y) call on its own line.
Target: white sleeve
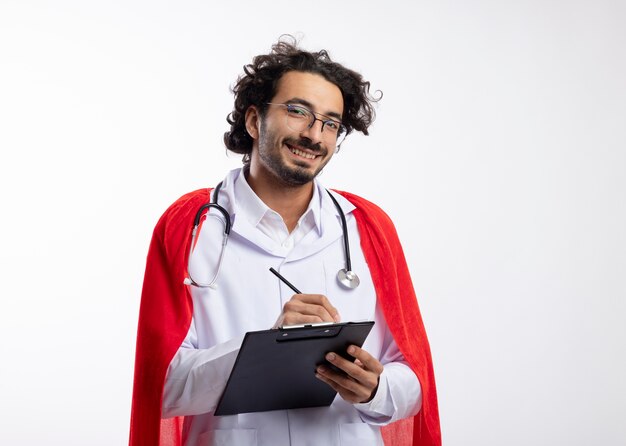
point(399, 393)
point(196, 377)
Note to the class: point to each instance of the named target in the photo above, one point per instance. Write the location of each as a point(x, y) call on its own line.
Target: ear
point(253, 122)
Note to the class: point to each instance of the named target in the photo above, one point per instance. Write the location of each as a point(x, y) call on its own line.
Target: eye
point(332, 125)
point(297, 112)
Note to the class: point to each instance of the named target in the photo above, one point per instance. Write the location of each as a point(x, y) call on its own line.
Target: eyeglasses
point(300, 118)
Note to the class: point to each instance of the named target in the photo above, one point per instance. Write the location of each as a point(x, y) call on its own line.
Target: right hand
point(307, 309)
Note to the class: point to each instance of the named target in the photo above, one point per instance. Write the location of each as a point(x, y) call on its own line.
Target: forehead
point(310, 89)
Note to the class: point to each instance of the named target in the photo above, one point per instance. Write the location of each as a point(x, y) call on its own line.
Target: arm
point(196, 377)
point(164, 317)
point(381, 393)
point(385, 258)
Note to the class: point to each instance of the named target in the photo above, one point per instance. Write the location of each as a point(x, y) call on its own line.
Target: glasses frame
point(341, 132)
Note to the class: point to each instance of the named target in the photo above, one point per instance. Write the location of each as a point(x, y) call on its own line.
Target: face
point(281, 154)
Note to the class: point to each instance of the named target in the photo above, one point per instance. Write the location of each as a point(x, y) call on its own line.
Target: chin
point(297, 176)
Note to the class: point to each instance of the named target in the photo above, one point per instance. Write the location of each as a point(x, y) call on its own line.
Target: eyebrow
point(330, 114)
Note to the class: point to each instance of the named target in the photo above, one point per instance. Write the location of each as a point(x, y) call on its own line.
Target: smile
point(303, 154)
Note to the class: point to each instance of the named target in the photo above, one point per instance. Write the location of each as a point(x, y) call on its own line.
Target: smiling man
point(315, 144)
point(292, 111)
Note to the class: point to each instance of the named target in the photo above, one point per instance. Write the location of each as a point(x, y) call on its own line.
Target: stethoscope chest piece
point(348, 279)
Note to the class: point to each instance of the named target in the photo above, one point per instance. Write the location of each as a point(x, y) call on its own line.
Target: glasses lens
point(298, 118)
point(341, 135)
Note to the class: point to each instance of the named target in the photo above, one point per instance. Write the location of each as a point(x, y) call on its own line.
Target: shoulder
point(181, 212)
point(374, 224)
point(365, 208)
point(188, 201)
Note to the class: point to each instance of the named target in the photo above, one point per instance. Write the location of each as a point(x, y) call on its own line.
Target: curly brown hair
point(257, 86)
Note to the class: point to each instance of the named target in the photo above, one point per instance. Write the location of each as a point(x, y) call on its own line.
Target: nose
point(314, 131)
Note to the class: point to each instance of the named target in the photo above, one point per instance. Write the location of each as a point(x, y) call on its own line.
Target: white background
point(499, 151)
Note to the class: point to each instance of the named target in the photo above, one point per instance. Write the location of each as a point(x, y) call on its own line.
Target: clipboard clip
point(316, 324)
point(312, 331)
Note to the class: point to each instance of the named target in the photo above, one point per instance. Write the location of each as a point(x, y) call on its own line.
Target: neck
point(289, 201)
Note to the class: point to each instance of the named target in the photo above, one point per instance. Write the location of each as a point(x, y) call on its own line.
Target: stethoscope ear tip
point(188, 281)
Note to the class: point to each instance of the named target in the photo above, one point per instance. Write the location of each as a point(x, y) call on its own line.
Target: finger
point(344, 393)
point(309, 309)
point(293, 318)
point(321, 300)
point(341, 380)
point(366, 360)
point(349, 389)
point(353, 370)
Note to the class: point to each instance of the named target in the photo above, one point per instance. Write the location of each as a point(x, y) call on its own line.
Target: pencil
point(285, 281)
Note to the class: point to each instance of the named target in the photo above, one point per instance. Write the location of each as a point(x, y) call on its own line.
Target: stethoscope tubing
point(345, 276)
point(344, 228)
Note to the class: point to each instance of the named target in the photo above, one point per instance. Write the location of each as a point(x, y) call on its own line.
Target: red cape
point(166, 310)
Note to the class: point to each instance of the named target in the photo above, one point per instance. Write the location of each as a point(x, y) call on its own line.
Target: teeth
point(302, 154)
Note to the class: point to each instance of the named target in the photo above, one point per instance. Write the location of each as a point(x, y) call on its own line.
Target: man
point(292, 110)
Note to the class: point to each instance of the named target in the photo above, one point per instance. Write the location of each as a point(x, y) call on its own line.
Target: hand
point(359, 381)
point(307, 309)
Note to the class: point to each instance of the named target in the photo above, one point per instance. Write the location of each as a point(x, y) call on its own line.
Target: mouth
point(301, 152)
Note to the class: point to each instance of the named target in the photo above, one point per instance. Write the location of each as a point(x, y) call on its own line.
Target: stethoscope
point(346, 277)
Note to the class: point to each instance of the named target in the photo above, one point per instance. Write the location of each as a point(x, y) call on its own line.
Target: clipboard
point(275, 369)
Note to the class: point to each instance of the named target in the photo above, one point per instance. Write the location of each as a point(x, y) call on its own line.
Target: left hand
point(359, 381)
